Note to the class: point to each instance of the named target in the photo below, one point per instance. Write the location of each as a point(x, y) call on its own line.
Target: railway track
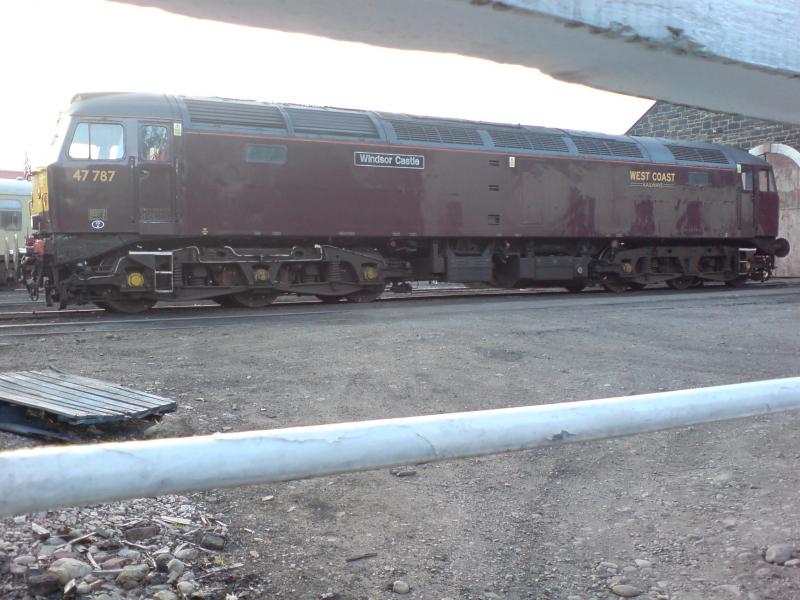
point(166, 316)
point(23, 307)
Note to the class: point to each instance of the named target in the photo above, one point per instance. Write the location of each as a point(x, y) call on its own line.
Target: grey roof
point(122, 104)
point(303, 121)
point(15, 187)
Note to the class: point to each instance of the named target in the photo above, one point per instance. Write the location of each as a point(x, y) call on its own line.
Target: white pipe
point(49, 477)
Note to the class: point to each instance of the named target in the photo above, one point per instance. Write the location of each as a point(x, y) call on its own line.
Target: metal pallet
point(71, 399)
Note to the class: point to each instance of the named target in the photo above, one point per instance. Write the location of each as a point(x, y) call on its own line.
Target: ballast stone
point(401, 587)
point(44, 584)
point(779, 553)
point(212, 541)
point(66, 569)
point(626, 591)
point(131, 576)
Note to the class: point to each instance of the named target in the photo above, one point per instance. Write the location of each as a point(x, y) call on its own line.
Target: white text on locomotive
point(380, 159)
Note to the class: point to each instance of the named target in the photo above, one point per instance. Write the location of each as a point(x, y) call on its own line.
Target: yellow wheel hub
point(135, 279)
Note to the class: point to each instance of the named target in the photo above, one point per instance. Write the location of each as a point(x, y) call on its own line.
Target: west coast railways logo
point(652, 179)
point(395, 161)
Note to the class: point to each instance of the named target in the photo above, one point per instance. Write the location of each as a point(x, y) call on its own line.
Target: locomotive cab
point(111, 181)
point(111, 176)
point(758, 208)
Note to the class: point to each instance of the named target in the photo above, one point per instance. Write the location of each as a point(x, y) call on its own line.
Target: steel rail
point(184, 316)
point(50, 477)
point(52, 313)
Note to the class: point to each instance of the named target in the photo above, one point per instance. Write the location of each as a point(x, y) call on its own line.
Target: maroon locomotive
point(163, 197)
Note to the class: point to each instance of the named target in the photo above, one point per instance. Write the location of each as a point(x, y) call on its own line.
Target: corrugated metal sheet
point(78, 400)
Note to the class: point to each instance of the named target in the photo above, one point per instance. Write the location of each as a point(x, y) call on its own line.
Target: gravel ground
point(686, 514)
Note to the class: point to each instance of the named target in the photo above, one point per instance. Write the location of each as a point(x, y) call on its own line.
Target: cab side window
point(747, 181)
point(764, 182)
point(97, 141)
point(154, 143)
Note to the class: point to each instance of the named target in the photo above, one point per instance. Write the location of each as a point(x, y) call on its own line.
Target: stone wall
point(675, 121)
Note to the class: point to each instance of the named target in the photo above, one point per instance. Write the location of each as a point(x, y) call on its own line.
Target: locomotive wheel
point(128, 306)
point(574, 287)
point(615, 286)
point(637, 286)
point(477, 285)
point(368, 294)
point(682, 283)
point(224, 301)
point(737, 281)
point(249, 299)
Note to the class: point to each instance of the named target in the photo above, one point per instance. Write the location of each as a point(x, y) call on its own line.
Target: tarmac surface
point(685, 514)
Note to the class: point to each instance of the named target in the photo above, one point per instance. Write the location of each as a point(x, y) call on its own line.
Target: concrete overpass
point(738, 56)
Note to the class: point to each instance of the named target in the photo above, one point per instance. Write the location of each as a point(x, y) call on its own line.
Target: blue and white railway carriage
point(15, 226)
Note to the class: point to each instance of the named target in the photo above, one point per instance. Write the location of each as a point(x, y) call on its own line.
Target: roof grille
point(239, 114)
point(606, 147)
point(545, 142)
point(438, 134)
point(691, 154)
point(332, 122)
point(510, 139)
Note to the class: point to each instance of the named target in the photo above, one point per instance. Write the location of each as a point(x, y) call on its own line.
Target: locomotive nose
point(39, 199)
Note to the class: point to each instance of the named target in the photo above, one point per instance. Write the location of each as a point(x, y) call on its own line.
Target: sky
point(54, 49)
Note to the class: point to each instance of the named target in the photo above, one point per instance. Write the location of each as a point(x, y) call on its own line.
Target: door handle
point(144, 172)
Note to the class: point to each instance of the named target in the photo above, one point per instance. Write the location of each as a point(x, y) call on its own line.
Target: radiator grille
point(240, 114)
point(413, 131)
point(606, 147)
point(691, 154)
point(522, 140)
point(332, 122)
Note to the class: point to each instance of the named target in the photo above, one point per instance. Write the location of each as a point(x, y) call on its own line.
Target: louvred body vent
point(692, 154)
point(238, 114)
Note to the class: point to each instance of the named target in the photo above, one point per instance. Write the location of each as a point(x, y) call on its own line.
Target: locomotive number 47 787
point(101, 175)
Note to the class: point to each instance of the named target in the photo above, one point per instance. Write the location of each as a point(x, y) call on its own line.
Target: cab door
point(747, 200)
point(92, 187)
point(768, 205)
point(156, 181)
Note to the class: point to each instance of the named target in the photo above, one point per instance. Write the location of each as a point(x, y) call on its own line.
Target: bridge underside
point(731, 57)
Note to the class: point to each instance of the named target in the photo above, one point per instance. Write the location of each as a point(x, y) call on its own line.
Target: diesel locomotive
point(155, 197)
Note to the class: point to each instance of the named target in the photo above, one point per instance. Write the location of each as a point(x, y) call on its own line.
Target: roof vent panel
point(606, 147)
point(238, 114)
point(523, 140)
point(547, 142)
point(510, 139)
point(332, 122)
point(414, 131)
point(693, 154)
